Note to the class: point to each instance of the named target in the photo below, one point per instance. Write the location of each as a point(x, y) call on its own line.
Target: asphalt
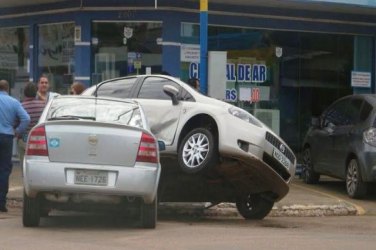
point(302, 200)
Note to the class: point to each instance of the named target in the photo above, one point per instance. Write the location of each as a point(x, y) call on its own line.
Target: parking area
point(328, 198)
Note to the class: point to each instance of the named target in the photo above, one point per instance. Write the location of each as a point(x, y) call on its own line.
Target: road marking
point(360, 210)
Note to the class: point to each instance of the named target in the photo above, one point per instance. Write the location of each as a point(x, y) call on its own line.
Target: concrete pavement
point(302, 200)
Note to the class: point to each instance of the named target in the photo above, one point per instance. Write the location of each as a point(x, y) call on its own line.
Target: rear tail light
point(147, 151)
point(37, 143)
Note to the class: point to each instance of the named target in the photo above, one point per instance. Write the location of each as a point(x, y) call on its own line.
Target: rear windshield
point(96, 110)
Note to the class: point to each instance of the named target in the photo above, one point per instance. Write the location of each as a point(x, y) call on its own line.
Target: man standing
point(34, 108)
point(44, 93)
point(11, 113)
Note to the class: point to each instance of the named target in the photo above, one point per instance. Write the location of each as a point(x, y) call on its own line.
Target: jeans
point(6, 148)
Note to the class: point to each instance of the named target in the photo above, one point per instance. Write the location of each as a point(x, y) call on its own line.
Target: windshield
point(95, 109)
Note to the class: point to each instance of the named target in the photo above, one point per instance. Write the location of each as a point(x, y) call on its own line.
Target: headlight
point(369, 136)
point(244, 115)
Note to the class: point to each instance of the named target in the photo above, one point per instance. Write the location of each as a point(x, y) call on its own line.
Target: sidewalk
point(300, 201)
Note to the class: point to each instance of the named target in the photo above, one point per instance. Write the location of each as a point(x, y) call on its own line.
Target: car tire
point(253, 206)
point(355, 186)
point(309, 175)
point(149, 214)
point(198, 151)
point(31, 211)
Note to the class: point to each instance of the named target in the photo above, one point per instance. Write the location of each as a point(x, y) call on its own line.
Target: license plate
point(91, 177)
point(281, 158)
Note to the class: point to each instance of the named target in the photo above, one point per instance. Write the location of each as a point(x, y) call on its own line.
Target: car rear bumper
point(42, 176)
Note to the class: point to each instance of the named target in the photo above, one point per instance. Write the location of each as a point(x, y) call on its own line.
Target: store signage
point(252, 95)
point(360, 79)
point(231, 95)
point(190, 53)
point(252, 73)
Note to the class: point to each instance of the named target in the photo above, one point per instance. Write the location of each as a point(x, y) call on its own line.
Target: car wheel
point(253, 206)
point(309, 175)
point(31, 211)
point(149, 214)
point(355, 186)
point(197, 151)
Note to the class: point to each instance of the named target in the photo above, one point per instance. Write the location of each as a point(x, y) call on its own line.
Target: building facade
point(285, 61)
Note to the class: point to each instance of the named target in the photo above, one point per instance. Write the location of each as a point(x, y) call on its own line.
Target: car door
point(163, 117)
point(343, 135)
point(343, 117)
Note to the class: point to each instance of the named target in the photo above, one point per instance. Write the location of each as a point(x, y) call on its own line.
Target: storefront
point(284, 63)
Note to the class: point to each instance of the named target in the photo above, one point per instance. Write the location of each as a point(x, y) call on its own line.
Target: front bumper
point(43, 176)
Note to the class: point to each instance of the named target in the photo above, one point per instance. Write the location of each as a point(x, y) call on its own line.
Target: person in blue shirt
point(13, 121)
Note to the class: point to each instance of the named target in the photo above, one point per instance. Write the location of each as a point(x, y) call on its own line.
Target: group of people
point(17, 119)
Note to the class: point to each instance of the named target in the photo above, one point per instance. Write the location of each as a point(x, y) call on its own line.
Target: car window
point(365, 111)
point(152, 88)
point(118, 88)
point(186, 96)
point(336, 114)
point(344, 112)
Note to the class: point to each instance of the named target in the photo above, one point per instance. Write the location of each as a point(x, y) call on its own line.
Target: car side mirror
point(172, 92)
point(161, 145)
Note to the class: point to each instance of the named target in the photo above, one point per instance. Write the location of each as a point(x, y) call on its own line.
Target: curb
point(229, 210)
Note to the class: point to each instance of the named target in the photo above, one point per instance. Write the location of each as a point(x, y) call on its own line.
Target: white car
point(214, 151)
point(91, 153)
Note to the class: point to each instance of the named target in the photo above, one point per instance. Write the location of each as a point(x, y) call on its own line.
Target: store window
point(14, 58)
point(125, 48)
point(284, 78)
point(56, 55)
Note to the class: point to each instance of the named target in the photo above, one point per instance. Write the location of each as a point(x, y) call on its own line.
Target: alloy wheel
point(195, 150)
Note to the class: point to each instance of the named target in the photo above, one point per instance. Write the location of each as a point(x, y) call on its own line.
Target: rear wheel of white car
point(253, 206)
point(355, 186)
point(309, 175)
point(197, 151)
point(31, 211)
point(149, 214)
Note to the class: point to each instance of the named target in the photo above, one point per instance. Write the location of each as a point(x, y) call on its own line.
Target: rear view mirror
point(172, 92)
point(161, 145)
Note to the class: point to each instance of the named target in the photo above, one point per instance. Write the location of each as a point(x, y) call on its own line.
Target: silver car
point(86, 151)
point(214, 151)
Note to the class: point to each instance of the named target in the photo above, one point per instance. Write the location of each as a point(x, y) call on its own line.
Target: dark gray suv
point(342, 143)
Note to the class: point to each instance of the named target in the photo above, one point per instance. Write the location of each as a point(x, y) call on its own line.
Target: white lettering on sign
point(360, 79)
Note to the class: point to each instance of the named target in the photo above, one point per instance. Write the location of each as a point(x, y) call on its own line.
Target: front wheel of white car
point(197, 151)
point(253, 206)
point(31, 211)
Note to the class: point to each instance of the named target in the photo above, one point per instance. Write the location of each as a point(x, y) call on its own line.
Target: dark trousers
point(6, 147)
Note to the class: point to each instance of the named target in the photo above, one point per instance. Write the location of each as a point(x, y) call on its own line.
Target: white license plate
point(91, 177)
point(281, 158)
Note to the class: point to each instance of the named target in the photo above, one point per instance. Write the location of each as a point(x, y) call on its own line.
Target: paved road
point(105, 232)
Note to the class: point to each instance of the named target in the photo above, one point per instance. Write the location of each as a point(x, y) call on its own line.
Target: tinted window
point(336, 114)
point(344, 112)
point(152, 88)
point(118, 88)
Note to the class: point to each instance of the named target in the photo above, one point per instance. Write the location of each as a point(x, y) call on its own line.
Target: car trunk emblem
point(93, 140)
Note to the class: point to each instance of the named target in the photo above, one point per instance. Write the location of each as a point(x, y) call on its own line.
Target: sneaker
point(3, 209)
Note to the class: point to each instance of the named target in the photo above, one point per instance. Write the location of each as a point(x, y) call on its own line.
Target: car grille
point(277, 143)
point(276, 166)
